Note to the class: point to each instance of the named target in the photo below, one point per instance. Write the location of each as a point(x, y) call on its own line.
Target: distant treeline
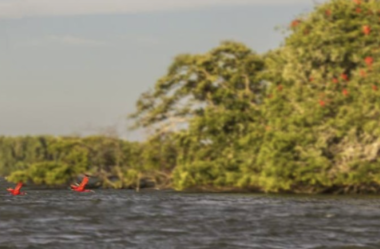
point(303, 118)
point(57, 161)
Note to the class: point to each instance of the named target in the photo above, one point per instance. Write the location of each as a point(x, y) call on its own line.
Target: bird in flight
point(81, 186)
point(16, 190)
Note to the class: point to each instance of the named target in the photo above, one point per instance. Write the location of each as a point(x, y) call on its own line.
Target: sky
point(78, 66)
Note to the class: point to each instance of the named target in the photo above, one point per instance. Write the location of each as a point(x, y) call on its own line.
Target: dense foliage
point(302, 118)
point(57, 161)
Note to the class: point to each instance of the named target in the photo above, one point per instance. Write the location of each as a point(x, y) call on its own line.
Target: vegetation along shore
point(302, 118)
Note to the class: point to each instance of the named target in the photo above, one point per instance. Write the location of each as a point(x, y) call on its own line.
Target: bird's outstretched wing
point(18, 186)
point(83, 183)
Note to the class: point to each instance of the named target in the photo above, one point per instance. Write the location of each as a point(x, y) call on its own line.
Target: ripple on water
point(125, 219)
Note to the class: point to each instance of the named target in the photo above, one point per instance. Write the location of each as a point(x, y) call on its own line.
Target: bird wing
point(18, 186)
point(84, 182)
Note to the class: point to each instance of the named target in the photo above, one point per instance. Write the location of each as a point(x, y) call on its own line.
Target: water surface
point(126, 219)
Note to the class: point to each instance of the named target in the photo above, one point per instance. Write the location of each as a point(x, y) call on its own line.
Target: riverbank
point(372, 190)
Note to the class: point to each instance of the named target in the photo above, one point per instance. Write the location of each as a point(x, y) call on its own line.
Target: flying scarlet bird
point(368, 60)
point(345, 92)
point(81, 186)
point(17, 189)
point(344, 76)
point(362, 73)
point(295, 23)
point(366, 30)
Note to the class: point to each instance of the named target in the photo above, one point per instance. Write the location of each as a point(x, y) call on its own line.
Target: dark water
point(125, 219)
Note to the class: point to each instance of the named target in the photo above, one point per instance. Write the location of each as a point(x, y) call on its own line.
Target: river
point(153, 219)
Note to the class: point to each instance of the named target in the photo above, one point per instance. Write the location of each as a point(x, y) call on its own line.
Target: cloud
point(28, 8)
point(68, 40)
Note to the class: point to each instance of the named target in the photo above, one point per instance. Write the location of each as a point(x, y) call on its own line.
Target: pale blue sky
point(76, 68)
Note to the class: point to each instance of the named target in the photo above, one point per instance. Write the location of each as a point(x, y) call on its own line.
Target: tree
point(325, 107)
point(217, 95)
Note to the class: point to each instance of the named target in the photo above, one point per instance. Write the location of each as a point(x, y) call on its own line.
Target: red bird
point(362, 73)
point(366, 30)
point(368, 60)
point(81, 186)
point(295, 23)
point(345, 92)
point(16, 191)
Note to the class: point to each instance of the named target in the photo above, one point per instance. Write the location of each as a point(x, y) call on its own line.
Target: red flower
point(357, 1)
point(374, 87)
point(344, 76)
point(311, 79)
point(322, 103)
point(345, 92)
point(279, 87)
point(328, 12)
point(366, 29)
point(335, 80)
point(358, 10)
